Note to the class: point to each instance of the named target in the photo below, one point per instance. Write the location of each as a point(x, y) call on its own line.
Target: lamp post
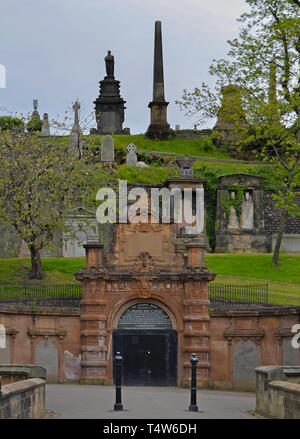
point(118, 406)
point(193, 406)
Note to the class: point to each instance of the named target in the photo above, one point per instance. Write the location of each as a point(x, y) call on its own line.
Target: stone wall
point(23, 399)
point(243, 340)
point(277, 395)
point(239, 341)
point(291, 237)
point(11, 373)
point(193, 134)
point(49, 337)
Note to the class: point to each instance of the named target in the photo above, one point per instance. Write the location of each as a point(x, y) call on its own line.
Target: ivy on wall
point(235, 202)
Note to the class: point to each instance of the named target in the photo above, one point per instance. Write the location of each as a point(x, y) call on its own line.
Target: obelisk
point(159, 127)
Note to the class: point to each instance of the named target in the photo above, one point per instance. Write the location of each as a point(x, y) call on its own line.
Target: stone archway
point(146, 338)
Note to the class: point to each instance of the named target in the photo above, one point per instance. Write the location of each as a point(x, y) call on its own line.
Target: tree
point(41, 181)
point(263, 64)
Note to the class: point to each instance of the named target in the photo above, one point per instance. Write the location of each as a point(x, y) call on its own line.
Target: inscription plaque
point(144, 316)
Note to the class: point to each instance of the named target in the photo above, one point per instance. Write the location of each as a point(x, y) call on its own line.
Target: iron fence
point(238, 295)
point(69, 295)
point(40, 294)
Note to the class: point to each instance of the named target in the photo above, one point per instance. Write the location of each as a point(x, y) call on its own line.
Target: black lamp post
point(193, 406)
point(118, 377)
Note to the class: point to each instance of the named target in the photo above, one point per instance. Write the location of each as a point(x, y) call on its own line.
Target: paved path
point(71, 401)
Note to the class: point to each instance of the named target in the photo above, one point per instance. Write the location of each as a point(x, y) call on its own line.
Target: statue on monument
point(110, 64)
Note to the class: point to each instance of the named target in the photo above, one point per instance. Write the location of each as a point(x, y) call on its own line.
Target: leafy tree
point(34, 124)
point(41, 181)
point(263, 65)
point(9, 122)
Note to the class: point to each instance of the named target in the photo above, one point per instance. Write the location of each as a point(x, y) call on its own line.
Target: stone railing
point(278, 391)
point(23, 399)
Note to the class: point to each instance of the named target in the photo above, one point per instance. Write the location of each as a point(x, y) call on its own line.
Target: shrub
point(9, 123)
point(34, 125)
point(207, 144)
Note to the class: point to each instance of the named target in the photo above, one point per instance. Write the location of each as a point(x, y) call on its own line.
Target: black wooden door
point(149, 357)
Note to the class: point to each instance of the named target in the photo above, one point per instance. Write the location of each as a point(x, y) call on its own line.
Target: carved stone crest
point(144, 262)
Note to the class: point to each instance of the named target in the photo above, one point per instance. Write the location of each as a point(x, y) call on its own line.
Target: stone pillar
point(93, 318)
point(196, 252)
point(93, 254)
point(196, 314)
point(159, 127)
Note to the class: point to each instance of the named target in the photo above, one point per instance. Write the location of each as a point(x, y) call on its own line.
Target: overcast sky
point(53, 51)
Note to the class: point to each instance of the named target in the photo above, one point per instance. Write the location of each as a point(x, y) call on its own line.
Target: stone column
point(93, 319)
point(196, 315)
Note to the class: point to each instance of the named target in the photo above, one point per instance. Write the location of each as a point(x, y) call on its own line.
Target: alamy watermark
point(296, 338)
point(2, 337)
point(184, 207)
point(2, 76)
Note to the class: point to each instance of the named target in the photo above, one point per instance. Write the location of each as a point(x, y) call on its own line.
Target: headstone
point(247, 212)
point(107, 149)
point(177, 127)
point(233, 222)
point(142, 165)
point(131, 157)
point(45, 127)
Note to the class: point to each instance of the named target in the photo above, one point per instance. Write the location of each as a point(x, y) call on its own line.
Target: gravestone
point(233, 222)
point(142, 165)
point(247, 212)
point(45, 127)
point(131, 157)
point(107, 149)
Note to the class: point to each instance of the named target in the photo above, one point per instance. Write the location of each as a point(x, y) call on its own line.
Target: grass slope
point(284, 281)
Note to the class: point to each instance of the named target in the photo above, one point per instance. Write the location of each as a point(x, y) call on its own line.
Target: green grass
point(172, 145)
point(284, 281)
point(257, 266)
point(57, 270)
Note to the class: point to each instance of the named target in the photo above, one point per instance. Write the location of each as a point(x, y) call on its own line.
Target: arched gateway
point(148, 343)
point(144, 298)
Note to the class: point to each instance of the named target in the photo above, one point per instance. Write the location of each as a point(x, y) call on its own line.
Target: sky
point(53, 51)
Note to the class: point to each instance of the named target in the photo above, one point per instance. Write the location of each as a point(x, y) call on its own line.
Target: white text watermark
point(2, 76)
point(182, 206)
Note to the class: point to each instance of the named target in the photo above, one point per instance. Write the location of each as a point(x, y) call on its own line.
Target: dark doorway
point(149, 357)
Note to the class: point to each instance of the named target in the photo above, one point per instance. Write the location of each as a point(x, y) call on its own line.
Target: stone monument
point(107, 149)
point(109, 106)
point(45, 127)
point(35, 113)
point(159, 127)
point(75, 136)
point(131, 157)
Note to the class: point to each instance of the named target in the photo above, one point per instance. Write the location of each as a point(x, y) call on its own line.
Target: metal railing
point(238, 295)
point(41, 294)
point(69, 295)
